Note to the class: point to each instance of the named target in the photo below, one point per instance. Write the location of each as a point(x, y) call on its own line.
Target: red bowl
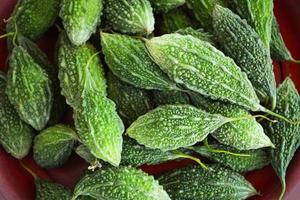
point(17, 184)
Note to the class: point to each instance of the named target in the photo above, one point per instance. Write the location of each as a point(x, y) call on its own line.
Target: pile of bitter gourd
point(150, 81)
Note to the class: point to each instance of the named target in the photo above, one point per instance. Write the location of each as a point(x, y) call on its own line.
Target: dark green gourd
point(240, 41)
point(217, 183)
point(128, 59)
point(170, 97)
point(239, 161)
point(124, 183)
point(284, 135)
point(243, 134)
point(80, 18)
point(29, 88)
point(15, 135)
point(47, 190)
point(131, 102)
point(165, 5)
point(53, 146)
point(129, 16)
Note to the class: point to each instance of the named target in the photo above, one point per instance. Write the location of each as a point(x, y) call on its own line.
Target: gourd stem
point(29, 170)
point(283, 185)
point(7, 35)
point(263, 109)
point(295, 61)
point(197, 160)
point(252, 116)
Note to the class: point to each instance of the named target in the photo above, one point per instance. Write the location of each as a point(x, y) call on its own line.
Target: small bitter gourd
point(129, 16)
point(165, 5)
point(48, 190)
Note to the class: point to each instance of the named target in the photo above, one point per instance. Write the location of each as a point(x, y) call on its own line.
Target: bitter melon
point(128, 59)
point(124, 183)
point(129, 16)
point(170, 97)
point(53, 146)
point(48, 190)
point(80, 18)
point(15, 135)
point(242, 43)
point(195, 183)
point(165, 5)
point(29, 88)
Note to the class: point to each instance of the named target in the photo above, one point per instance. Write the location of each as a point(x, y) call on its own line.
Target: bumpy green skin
point(29, 88)
point(58, 106)
point(243, 44)
point(242, 134)
point(15, 135)
point(129, 16)
point(80, 18)
point(53, 146)
point(128, 59)
point(79, 68)
point(170, 97)
point(99, 127)
point(259, 14)
point(131, 102)
point(255, 159)
point(170, 127)
point(284, 135)
point(124, 183)
point(165, 5)
point(203, 10)
point(202, 68)
point(198, 33)
point(46, 190)
point(279, 50)
point(33, 17)
point(218, 183)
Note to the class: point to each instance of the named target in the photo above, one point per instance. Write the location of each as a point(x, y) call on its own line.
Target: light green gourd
point(47, 190)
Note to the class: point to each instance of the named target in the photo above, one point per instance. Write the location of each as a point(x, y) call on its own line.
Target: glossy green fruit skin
point(32, 18)
point(15, 135)
point(47, 190)
point(200, 67)
point(255, 159)
point(170, 127)
point(240, 41)
point(80, 18)
point(242, 134)
point(217, 183)
point(128, 59)
point(284, 135)
point(29, 88)
point(129, 16)
point(131, 102)
point(198, 33)
point(53, 146)
point(170, 97)
point(120, 183)
point(165, 5)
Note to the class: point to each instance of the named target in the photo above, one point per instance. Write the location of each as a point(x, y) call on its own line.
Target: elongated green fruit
point(285, 136)
point(170, 127)
point(259, 14)
point(247, 160)
point(203, 10)
point(243, 134)
point(124, 183)
point(29, 88)
point(15, 135)
point(99, 127)
point(243, 44)
point(47, 190)
point(170, 97)
point(198, 33)
point(32, 18)
point(79, 68)
point(202, 68)
point(53, 146)
point(195, 183)
point(165, 5)
point(131, 102)
point(129, 16)
point(80, 18)
point(128, 59)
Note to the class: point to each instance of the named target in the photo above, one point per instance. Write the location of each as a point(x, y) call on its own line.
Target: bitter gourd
point(242, 43)
point(15, 135)
point(170, 97)
point(165, 5)
point(129, 16)
point(131, 102)
point(195, 183)
point(80, 18)
point(48, 190)
point(128, 59)
point(124, 183)
point(29, 88)
point(53, 146)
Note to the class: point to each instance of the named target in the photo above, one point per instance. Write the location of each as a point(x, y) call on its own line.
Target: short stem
point(197, 160)
point(7, 35)
point(28, 170)
point(295, 61)
point(263, 109)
